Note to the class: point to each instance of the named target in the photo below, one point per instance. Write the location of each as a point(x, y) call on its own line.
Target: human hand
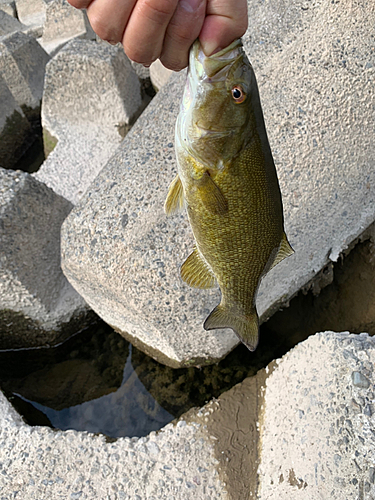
point(166, 29)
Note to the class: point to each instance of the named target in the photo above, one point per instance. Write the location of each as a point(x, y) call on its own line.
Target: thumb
point(225, 21)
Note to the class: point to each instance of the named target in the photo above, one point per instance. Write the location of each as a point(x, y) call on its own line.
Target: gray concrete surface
point(22, 66)
point(63, 23)
point(303, 429)
point(159, 74)
point(317, 421)
point(8, 24)
point(31, 12)
point(7, 103)
point(91, 94)
point(123, 255)
point(40, 463)
point(9, 7)
point(37, 304)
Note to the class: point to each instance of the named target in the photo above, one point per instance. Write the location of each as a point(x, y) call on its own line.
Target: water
point(96, 381)
point(128, 411)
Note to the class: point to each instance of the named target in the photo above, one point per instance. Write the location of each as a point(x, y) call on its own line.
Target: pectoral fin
point(175, 197)
point(211, 195)
point(245, 327)
point(196, 273)
point(284, 251)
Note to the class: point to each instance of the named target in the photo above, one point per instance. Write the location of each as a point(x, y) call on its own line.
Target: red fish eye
point(238, 94)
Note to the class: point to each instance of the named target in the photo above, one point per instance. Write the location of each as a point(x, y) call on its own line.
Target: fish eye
point(238, 94)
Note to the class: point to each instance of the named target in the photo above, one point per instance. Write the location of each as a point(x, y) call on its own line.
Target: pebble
point(76, 494)
point(153, 448)
point(359, 380)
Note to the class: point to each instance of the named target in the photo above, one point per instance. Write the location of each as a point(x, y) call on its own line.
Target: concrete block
point(127, 267)
point(22, 66)
point(31, 12)
point(15, 129)
point(159, 74)
point(177, 462)
point(317, 427)
point(63, 23)
point(91, 94)
point(37, 303)
point(87, 82)
point(8, 24)
point(9, 7)
point(301, 429)
point(142, 72)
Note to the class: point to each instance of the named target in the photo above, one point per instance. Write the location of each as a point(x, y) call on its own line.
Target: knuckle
point(102, 30)
point(158, 11)
point(181, 35)
point(138, 56)
point(75, 3)
point(173, 64)
point(242, 26)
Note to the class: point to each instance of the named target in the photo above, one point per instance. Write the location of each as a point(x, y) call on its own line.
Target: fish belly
point(239, 244)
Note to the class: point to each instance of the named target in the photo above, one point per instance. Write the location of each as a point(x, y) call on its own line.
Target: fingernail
point(210, 48)
point(190, 5)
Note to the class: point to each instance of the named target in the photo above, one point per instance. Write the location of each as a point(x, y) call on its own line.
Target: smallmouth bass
point(228, 183)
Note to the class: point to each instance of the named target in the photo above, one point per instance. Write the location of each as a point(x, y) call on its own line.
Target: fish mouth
point(211, 132)
point(213, 68)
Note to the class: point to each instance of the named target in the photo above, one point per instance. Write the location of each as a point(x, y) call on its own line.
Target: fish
point(227, 181)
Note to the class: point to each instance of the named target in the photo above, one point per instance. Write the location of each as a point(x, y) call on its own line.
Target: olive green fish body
point(228, 183)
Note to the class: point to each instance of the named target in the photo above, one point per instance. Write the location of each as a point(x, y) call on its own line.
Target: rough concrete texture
point(63, 23)
point(159, 74)
point(91, 94)
point(302, 428)
point(318, 424)
point(8, 24)
point(314, 64)
point(31, 12)
point(39, 463)
point(142, 71)
point(9, 7)
point(15, 128)
point(315, 68)
point(36, 301)
point(22, 66)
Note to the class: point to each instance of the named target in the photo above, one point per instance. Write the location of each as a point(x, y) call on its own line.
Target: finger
point(108, 18)
point(80, 4)
point(182, 30)
point(226, 20)
point(145, 31)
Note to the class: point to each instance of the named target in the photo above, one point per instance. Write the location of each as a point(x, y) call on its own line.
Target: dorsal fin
point(174, 202)
point(285, 251)
point(196, 273)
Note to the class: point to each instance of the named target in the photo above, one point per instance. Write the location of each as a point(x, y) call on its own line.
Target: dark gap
point(33, 156)
point(96, 381)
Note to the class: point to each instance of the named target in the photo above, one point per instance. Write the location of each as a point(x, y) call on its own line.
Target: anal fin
point(285, 250)
point(174, 202)
point(196, 273)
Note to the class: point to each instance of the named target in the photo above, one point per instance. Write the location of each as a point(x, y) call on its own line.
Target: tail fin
point(245, 327)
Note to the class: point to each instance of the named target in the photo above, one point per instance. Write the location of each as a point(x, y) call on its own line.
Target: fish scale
point(227, 181)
